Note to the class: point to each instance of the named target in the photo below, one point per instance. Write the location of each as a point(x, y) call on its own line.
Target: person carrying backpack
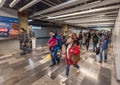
point(24, 41)
point(59, 43)
point(52, 44)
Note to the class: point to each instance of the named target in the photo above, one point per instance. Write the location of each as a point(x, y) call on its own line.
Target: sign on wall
point(4, 29)
point(8, 27)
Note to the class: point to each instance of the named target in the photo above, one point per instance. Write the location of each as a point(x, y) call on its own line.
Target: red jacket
point(76, 50)
point(52, 41)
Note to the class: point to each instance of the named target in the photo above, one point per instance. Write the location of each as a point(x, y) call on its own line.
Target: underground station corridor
point(59, 42)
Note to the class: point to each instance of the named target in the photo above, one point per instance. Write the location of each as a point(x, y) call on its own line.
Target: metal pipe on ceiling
point(60, 6)
point(59, 1)
point(50, 2)
point(47, 3)
point(13, 3)
point(33, 2)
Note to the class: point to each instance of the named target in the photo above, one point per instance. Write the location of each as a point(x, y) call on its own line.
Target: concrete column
point(23, 20)
point(116, 45)
point(65, 28)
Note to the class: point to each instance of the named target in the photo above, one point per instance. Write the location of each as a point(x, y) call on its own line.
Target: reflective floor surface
point(33, 69)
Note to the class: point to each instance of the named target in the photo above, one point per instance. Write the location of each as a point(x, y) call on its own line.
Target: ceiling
point(85, 13)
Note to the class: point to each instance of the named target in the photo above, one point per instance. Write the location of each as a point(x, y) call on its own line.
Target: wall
point(8, 12)
point(8, 45)
point(43, 34)
point(44, 31)
point(116, 45)
point(75, 29)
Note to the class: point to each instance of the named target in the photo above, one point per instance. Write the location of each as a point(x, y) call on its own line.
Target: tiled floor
point(32, 69)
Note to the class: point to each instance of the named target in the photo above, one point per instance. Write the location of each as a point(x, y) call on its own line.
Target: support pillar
point(65, 28)
point(116, 45)
point(23, 20)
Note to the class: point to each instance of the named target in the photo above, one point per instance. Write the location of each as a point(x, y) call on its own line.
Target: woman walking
point(72, 51)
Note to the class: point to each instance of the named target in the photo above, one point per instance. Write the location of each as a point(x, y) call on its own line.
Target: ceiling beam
point(13, 3)
point(33, 2)
point(2, 2)
point(60, 6)
point(96, 24)
point(88, 11)
point(83, 7)
point(87, 15)
point(93, 21)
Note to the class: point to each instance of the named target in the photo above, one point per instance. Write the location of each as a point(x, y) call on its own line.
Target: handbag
point(75, 57)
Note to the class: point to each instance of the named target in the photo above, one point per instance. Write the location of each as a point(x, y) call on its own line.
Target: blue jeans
point(68, 68)
point(25, 49)
point(101, 54)
point(54, 57)
point(94, 47)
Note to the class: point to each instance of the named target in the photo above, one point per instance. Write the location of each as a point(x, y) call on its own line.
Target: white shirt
point(69, 46)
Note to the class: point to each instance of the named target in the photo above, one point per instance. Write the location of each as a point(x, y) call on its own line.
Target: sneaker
point(100, 61)
point(49, 74)
point(64, 79)
point(23, 54)
point(58, 62)
point(52, 65)
point(78, 70)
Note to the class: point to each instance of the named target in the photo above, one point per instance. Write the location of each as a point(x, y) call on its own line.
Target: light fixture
point(30, 20)
point(0, 1)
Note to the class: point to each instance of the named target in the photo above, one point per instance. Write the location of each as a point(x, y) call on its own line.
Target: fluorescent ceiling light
point(30, 20)
point(0, 1)
point(13, 3)
point(84, 12)
point(36, 27)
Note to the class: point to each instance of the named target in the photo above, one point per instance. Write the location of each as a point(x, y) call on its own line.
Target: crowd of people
point(100, 42)
point(73, 43)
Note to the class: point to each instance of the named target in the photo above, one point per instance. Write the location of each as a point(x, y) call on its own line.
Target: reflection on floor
point(32, 69)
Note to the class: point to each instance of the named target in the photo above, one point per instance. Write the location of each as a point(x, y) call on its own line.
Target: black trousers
point(87, 44)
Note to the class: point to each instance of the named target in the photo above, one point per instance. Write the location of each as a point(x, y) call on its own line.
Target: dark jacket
point(88, 36)
point(95, 39)
point(23, 37)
